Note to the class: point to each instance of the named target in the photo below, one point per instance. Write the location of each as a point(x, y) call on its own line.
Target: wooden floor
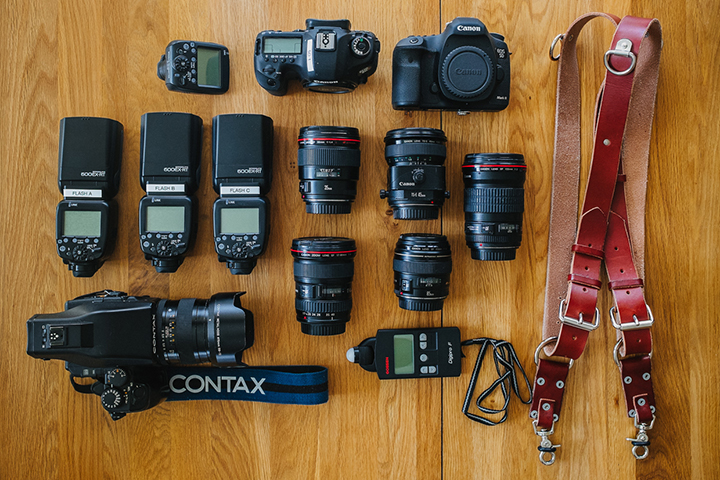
point(88, 57)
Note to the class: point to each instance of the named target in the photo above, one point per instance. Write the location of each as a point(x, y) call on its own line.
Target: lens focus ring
point(328, 157)
point(323, 306)
point(422, 267)
point(494, 200)
point(306, 269)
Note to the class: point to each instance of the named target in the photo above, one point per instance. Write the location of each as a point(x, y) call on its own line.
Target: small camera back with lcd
point(327, 57)
point(466, 68)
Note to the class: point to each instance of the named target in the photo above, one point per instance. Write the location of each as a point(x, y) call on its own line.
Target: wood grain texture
point(87, 57)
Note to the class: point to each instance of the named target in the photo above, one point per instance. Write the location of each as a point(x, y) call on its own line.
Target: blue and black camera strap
point(291, 384)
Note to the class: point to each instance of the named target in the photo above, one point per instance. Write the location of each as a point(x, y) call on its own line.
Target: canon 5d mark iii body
point(465, 68)
point(327, 57)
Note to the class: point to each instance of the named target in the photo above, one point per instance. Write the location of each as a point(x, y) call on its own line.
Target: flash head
point(170, 149)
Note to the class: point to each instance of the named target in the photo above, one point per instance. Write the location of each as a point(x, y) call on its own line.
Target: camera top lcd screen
point(165, 219)
point(240, 220)
point(403, 349)
point(82, 224)
point(292, 45)
point(208, 67)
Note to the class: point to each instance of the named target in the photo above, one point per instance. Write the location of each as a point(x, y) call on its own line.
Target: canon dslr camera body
point(465, 68)
point(327, 57)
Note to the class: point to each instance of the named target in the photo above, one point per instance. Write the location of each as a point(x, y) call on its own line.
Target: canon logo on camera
point(94, 173)
point(177, 169)
point(469, 28)
point(468, 71)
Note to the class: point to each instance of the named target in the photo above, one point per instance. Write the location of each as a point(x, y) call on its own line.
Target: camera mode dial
point(360, 46)
point(117, 378)
point(111, 398)
point(467, 72)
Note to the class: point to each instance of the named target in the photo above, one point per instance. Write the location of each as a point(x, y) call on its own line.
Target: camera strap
point(610, 227)
point(291, 384)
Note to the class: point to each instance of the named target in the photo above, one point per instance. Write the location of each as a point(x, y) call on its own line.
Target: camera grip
point(406, 78)
point(274, 85)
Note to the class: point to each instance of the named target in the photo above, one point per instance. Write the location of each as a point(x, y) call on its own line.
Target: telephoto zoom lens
point(329, 167)
point(422, 266)
point(323, 269)
point(192, 330)
point(494, 204)
point(416, 177)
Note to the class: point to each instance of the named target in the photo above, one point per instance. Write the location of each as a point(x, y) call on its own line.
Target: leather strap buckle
point(615, 319)
point(622, 49)
point(578, 322)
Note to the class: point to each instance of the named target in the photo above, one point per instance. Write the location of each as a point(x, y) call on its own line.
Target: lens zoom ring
point(328, 157)
point(323, 306)
point(422, 267)
point(318, 271)
point(494, 200)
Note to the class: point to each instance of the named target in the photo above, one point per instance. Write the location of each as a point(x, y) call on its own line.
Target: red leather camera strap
point(610, 228)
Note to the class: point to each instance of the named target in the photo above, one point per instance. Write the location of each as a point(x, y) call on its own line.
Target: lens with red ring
point(329, 167)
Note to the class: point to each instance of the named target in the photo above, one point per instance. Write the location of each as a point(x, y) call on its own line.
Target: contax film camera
point(242, 173)
point(466, 68)
point(170, 148)
point(327, 57)
point(126, 343)
point(88, 177)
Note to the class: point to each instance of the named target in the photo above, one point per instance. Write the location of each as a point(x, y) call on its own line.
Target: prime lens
point(323, 269)
point(191, 330)
point(422, 266)
point(494, 204)
point(329, 167)
point(416, 173)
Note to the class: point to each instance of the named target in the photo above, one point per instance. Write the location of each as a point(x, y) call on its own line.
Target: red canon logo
point(387, 365)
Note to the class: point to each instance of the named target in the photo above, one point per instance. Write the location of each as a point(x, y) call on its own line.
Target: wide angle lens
point(422, 266)
point(329, 167)
point(191, 330)
point(494, 204)
point(323, 270)
point(416, 177)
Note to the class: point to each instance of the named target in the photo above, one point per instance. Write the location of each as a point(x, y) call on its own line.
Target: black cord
point(506, 362)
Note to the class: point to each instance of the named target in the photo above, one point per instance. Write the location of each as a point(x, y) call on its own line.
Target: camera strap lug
point(607, 227)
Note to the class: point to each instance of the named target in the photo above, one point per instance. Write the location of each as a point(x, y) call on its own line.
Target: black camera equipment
point(242, 174)
point(323, 269)
point(88, 176)
point(410, 353)
point(416, 177)
point(195, 67)
point(327, 57)
point(329, 168)
point(422, 266)
point(465, 68)
point(132, 346)
point(170, 147)
point(494, 204)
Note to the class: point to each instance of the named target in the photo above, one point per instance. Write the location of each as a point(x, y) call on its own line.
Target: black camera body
point(90, 154)
point(327, 57)
point(466, 68)
point(126, 343)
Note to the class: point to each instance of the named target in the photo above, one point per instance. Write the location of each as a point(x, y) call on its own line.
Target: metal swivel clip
point(546, 448)
point(641, 443)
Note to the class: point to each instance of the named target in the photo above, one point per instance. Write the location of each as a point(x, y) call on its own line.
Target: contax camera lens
point(329, 167)
point(323, 270)
point(494, 204)
point(416, 177)
point(192, 330)
point(422, 266)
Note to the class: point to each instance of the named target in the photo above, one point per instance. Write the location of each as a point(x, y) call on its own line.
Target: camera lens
point(323, 270)
point(422, 266)
point(416, 177)
point(494, 204)
point(329, 167)
point(192, 330)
